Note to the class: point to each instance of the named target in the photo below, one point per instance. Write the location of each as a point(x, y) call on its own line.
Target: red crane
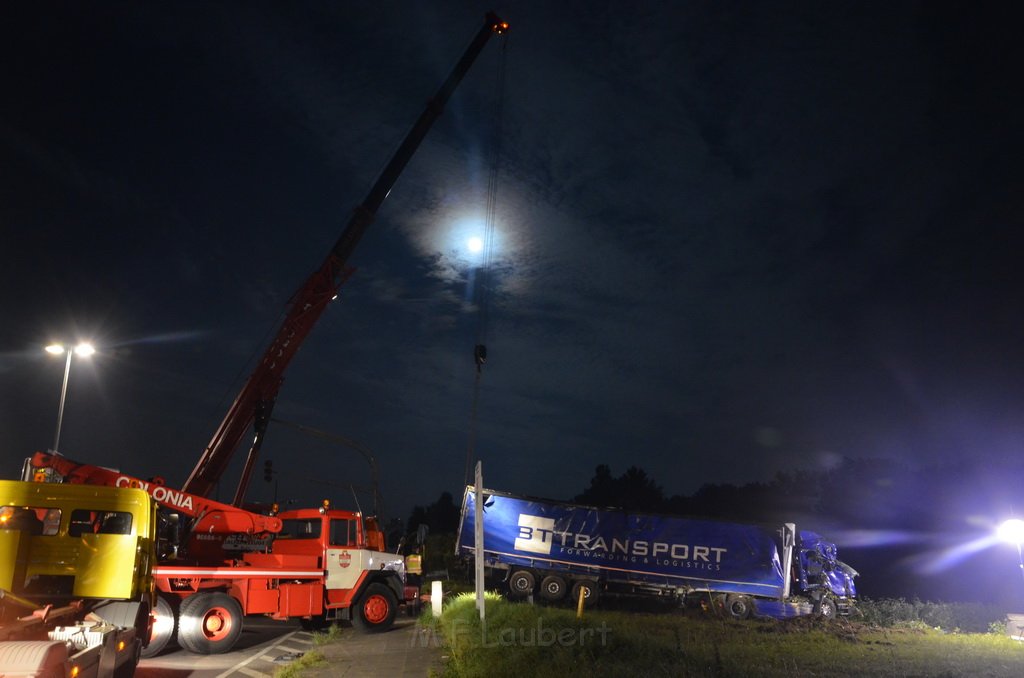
point(253, 406)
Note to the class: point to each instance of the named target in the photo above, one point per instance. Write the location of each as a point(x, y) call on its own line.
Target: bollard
point(579, 605)
point(436, 598)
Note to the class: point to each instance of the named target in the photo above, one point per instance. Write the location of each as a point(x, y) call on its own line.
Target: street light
point(83, 350)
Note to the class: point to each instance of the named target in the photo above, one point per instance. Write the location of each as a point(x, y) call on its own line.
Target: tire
point(590, 594)
point(827, 608)
point(209, 623)
point(317, 622)
point(376, 609)
point(521, 583)
point(165, 626)
point(738, 606)
point(553, 588)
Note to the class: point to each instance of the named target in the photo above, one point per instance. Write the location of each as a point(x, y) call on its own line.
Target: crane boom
point(254, 403)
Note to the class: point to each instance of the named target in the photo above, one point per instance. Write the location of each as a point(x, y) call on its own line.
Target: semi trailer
point(554, 549)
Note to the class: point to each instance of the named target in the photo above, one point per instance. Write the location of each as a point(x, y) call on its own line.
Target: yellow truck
point(76, 579)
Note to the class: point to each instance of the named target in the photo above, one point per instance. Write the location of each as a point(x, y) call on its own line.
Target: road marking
point(259, 654)
point(253, 672)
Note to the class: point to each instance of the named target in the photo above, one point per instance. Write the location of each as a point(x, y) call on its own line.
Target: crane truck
point(553, 548)
point(318, 564)
point(76, 579)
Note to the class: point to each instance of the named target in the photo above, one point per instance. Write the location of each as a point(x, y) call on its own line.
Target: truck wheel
point(376, 609)
point(589, 592)
point(738, 606)
point(209, 623)
point(827, 608)
point(521, 583)
point(164, 627)
point(552, 588)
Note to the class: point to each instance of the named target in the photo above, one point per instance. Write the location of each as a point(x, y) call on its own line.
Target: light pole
point(84, 350)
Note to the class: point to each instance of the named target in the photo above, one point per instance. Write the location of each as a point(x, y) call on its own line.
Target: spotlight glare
point(1012, 531)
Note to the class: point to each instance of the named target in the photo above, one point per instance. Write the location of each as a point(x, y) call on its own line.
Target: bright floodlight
point(475, 244)
point(1012, 531)
point(55, 349)
point(84, 350)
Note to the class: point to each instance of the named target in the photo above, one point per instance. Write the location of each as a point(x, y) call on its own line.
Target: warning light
point(120, 646)
point(500, 27)
point(326, 506)
point(74, 672)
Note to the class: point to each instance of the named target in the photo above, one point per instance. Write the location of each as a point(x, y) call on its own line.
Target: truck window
point(343, 532)
point(115, 522)
point(82, 522)
point(32, 519)
point(299, 528)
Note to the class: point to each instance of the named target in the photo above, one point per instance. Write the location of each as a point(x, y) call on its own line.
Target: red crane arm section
point(256, 399)
point(211, 517)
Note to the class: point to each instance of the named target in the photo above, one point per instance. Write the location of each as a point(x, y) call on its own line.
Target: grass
point(524, 640)
point(330, 635)
point(951, 617)
point(306, 661)
point(312, 658)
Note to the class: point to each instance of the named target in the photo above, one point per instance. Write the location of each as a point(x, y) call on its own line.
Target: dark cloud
point(729, 239)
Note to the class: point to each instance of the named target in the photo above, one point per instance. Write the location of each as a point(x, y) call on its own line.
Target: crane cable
point(483, 291)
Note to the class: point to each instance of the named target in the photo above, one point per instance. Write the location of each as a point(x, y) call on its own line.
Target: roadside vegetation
point(890, 638)
point(296, 668)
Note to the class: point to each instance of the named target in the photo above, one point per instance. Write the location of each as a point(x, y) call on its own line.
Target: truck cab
point(362, 583)
point(85, 555)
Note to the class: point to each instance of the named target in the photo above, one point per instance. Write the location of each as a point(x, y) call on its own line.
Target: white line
point(285, 648)
point(257, 655)
point(253, 672)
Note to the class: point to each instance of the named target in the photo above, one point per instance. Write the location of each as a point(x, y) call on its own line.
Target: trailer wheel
point(164, 627)
point(589, 588)
point(209, 623)
point(552, 588)
point(521, 583)
point(376, 609)
point(738, 606)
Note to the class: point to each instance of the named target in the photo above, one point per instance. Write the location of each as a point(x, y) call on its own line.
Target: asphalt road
point(264, 643)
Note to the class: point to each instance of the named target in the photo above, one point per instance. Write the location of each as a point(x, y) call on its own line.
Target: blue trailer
point(553, 549)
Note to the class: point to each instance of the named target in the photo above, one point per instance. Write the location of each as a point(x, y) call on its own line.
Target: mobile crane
point(322, 564)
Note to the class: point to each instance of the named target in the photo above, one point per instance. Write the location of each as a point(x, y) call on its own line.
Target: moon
point(475, 245)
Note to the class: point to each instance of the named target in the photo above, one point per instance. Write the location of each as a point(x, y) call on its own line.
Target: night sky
point(730, 239)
